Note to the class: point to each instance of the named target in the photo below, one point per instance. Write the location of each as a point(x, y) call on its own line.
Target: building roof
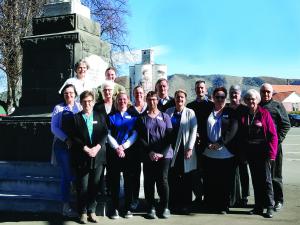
point(286, 88)
point(280, 96)
point(287, 97)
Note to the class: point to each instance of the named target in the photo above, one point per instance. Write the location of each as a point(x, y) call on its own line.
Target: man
point(242, 175)
point(165, 101)
point(110, 74)
point(283, 125)
point(202, 107)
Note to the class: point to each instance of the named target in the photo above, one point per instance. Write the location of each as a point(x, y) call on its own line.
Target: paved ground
point(290, 214)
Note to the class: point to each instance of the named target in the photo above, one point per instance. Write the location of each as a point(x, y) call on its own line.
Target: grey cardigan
point(187, 135)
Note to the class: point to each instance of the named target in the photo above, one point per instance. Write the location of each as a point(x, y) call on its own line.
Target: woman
point(154, 131)
point(184, 161)
point(62, 113)
point(259, 139)
point(106, 105)
point(88, 155)
point(138, 109)
point(218, 163)
point(119, 158)
point(240, 188)
point(79, 81)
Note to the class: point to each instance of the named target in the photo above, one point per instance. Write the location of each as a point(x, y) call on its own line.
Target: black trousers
point(136, 176)
point(87, 186)
point(260, 168)
point(218, 176)
point(115, 166)
point(197, 180)
point(277, 176)
point(244, 178)
point(240, 186)
point(156, 173)
point(180, 185)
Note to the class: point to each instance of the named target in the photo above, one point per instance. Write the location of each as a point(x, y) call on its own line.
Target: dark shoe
point(269, 213)
point(134, 205)
point(185, 210)
point(278, 206)
point(243, 202)
point(151, 214)
point(256, 211)
point(166, 213)
point(128, 214)
point(115, 215)
point(69, 212)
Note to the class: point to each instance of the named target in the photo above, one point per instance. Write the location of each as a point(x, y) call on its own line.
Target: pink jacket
point(268, 125)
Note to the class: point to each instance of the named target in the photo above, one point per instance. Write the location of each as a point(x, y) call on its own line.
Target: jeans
point(63, 160)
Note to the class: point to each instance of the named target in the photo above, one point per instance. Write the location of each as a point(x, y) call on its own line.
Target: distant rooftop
point(286, 88)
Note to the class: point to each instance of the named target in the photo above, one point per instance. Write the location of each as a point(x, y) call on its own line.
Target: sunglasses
point(250, 99)
point(265, 91)
point(220, 97)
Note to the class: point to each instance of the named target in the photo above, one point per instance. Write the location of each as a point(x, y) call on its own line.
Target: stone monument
point(62, 36)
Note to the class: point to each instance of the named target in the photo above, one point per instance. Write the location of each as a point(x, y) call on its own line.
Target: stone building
point(147, 72)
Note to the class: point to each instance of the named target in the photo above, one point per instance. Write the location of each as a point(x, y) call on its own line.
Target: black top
point(202, 110)
point(80, 137)
point(279, 116)
point(132, 111)
point(170, 103)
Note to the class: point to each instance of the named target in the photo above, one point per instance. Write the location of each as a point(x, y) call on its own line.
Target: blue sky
point(233, 37)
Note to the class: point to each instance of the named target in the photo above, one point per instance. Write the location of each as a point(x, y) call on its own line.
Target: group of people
point(201, 148)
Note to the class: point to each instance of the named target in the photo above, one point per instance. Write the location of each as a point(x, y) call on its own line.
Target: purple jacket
point(269, 129)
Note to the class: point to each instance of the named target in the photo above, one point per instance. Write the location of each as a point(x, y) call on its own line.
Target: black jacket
point(229, 128)
point(164, 107)
point(279, 116)
point(80, 138)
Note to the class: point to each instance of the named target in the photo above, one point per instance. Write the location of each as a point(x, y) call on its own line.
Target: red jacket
point(269, 129)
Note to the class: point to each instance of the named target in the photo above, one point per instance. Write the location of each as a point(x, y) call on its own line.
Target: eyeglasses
point(69, 93)
point(220, 97)
point(250, 99)
point(265, 91)
point(234, 93)
point(87, 101)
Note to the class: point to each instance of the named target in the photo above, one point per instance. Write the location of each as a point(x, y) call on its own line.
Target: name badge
point(128, 117)
point(225, 116)
point(95, 122)
point(159, 118)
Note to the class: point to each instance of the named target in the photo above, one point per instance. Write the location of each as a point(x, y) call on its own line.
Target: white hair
point(108, 83)
point(267, 86)
point(252, 93)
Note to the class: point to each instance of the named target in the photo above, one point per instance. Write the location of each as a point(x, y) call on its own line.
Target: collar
point(198, 99)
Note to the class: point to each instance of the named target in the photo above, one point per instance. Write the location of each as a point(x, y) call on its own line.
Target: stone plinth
point(26, 139)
